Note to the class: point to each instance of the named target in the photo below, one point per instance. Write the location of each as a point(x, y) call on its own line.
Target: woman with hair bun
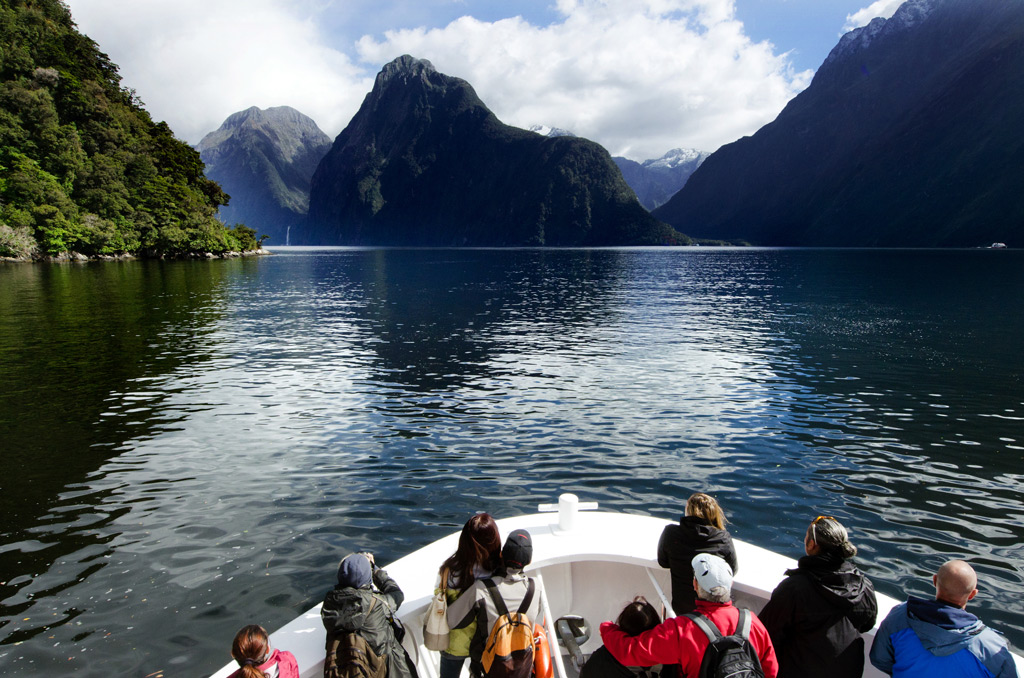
point(251, 649)
point(701, 529)
point(816, 615)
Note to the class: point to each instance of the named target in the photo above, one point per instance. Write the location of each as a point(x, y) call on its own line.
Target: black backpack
point(728, 656)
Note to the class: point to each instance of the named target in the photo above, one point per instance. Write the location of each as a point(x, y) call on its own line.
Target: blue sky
point(638, 76)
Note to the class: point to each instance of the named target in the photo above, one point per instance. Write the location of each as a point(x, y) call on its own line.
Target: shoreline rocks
point(78, 257)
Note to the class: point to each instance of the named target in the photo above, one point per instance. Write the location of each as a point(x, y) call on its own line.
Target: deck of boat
point(593, 570)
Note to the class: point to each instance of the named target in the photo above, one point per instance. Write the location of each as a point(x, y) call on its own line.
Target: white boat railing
point(549, 624)
point(576, 554)
point(666, 603)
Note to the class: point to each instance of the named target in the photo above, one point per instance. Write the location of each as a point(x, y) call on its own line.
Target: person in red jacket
point(679, 640)
point(251, 649)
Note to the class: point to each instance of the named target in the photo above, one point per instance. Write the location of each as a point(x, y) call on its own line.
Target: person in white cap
point(680, 640)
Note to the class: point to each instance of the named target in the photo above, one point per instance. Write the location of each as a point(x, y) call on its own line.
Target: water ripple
point(234, 428)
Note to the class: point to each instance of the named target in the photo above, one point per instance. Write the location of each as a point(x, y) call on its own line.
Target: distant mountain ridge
point(265, 159)
point(653, 181)
point(656, 180)
point(909, 135)
point(424, 162)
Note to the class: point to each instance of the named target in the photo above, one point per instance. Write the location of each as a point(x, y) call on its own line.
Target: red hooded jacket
point(680, 641)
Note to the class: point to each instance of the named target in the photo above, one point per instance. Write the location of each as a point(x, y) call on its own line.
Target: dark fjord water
point(191, 446)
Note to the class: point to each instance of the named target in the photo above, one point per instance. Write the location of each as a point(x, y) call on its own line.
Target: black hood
point(836, 579)
point(700, 531)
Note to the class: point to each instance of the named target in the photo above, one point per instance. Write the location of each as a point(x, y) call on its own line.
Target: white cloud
point(879, 8)
point(195, 62)
point(639, 77)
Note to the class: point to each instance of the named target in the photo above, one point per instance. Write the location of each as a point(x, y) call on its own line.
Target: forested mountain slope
point(83, 167)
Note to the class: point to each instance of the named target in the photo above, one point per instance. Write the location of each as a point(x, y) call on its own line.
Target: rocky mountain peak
point(546, 131)
point(909, 14)
point(264, 159)
point(425, 163)
point(404, 69)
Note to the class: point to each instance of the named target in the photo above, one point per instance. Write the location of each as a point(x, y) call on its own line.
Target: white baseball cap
point(711, 571)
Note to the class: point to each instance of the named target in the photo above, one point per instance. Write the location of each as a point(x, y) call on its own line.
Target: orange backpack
point(508, 652)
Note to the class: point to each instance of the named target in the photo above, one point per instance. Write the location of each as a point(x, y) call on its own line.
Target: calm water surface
point(191, 446)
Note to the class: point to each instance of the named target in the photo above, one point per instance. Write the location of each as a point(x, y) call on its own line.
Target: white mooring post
point(568, 506)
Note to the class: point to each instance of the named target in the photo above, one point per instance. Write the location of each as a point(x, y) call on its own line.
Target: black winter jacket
point(603, 665)
point(815, 617)
point(349, 609)
point(677, 547)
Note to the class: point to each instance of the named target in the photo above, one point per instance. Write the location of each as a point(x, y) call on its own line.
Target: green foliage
point(83, 167)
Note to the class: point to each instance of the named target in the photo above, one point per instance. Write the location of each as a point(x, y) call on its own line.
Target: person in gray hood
point(816, 615)
point(353, 606)
point(939, 638)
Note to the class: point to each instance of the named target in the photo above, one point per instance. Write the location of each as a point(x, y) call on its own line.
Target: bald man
point(939, 638)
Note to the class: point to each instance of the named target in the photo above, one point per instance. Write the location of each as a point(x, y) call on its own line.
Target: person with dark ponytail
point(251, 649)
point(816, 615)
point(701, 529)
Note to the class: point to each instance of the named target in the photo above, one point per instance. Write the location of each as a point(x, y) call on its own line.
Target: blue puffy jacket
point(931, 639)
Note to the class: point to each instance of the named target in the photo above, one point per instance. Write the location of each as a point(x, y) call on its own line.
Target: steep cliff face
point(909, 135)
point(424, 162)
point(264, 159)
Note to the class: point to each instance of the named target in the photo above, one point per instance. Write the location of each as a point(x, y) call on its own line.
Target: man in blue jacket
point(939, 638)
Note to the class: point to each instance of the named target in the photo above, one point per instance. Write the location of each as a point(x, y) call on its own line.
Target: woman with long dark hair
point(817, 613)
point(477, 557)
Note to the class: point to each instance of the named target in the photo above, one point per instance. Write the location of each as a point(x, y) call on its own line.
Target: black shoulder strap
point(525, 605)
point(705, 624)
point(499, 602)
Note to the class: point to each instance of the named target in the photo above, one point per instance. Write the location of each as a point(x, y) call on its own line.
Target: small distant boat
point(997, 246)
point(586, 564)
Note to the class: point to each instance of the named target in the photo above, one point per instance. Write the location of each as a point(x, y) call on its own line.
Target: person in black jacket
point(817, 613)
point(354, 606)
point(700, 530)
point(634, 619)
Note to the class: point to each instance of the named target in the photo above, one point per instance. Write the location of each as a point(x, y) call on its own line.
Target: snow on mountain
point(909, 14)
point(546, 131)
point(677, 157)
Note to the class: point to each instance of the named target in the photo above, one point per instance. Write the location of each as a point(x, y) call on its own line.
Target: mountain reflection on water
point(191, 446)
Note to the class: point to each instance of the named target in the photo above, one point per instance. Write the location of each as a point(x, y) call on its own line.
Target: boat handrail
point(549, 625)
point(669, 612)
point(424, 660)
